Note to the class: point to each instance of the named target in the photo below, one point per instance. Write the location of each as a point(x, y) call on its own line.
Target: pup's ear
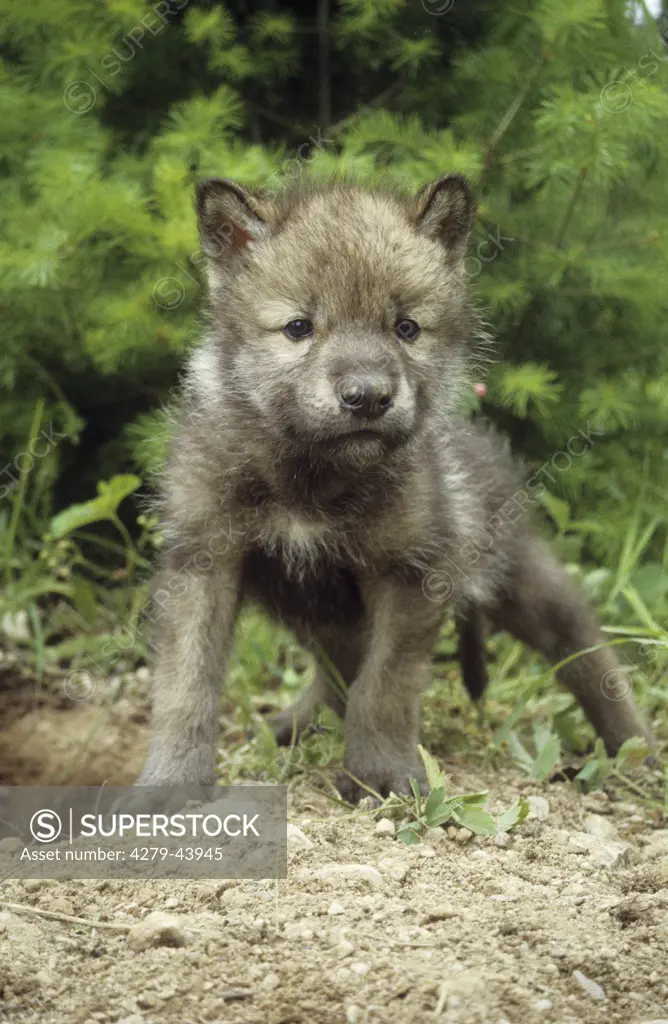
point(446, 212)
point(229, 218)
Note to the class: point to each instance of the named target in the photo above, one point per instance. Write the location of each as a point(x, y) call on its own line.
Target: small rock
point(605, 853)
point(600, 827)
point(452, 832)
point(543, 1004)
point(353, 1014)
point(425, 850)
point(356, 872)
point(464, 836)
point(172, 903)
point(592, 988)
point(271, 981)
point(11, 844)
point(143, 674)
point(15, 625)
point(539, 808)
point(335, 909)
point(385, 827)
point(345, 947)
point(297, 840)
point(360, 968)
point(502, 840)
point(436, 836)
point(157, 929)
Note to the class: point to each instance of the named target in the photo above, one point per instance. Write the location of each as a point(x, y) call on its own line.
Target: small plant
point(548, 752)
point(599, 766)
point(441, 808)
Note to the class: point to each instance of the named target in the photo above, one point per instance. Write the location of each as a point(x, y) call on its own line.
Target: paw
point(383, 775)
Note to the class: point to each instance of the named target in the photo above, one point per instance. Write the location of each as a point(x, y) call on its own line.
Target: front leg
point(195, 613)
point(382, 722)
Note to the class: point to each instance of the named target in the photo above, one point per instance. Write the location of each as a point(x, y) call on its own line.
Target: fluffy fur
point(359, 534)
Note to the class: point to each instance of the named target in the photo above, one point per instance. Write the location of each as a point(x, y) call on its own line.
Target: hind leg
point(342, 650)
point(537, 604)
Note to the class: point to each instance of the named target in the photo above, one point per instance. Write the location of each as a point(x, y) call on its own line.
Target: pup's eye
point(406, 329)
point(295, 330)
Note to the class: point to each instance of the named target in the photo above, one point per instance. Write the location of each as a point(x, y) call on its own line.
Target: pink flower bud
point(480, 390)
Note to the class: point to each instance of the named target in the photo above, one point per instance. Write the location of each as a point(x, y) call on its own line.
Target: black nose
point(366, 396)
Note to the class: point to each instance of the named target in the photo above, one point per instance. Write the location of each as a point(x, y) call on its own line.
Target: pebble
point(336, 908)
point(436, 836)
point(157, 929)
point(543, 1004)
point(360, 968)
point(297, 840)
point(345, 947)
point(600, 827)
point(452, 832)
point(353, 1014)
point(605, 853)
point(356, 872)
point(15, 626)
point(539, 808)
point(502, 840)
point(464, 836)
point(171, 903)
point(271, 981)
point(385, 827)
point(425, 850)
point(592, 988)
point(143, 674)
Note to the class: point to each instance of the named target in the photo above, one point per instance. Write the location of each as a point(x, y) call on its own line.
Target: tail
point(472, 650)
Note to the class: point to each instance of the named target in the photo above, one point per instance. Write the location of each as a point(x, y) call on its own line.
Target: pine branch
point(572, 202)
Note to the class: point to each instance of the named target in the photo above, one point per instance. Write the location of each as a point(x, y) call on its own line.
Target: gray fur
point(359, 542)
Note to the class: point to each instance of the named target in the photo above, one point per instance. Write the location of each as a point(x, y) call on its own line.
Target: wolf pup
point(321, 470)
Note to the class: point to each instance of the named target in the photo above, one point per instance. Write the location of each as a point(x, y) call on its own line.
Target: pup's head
point(340, 320)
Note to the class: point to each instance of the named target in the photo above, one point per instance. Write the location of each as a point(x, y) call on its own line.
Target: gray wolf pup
point(322, 470)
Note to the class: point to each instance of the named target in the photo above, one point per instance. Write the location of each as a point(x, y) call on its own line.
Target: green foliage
point(440, 808)
point(556, 112)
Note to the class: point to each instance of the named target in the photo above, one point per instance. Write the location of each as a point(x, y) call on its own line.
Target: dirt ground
point(564, 921)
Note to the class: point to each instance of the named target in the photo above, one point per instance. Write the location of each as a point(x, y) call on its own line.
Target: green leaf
point(105, 506)
point(596, 769)
point(632, 753)
point(408, 834)
point(513, 816)
point(480, 822)
point(547, 759)
point(474, 799)
point(416, 793)
point(558, 509)
point(435, 776)
point(519, 753)
point(442, 814)
point(434, 801)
